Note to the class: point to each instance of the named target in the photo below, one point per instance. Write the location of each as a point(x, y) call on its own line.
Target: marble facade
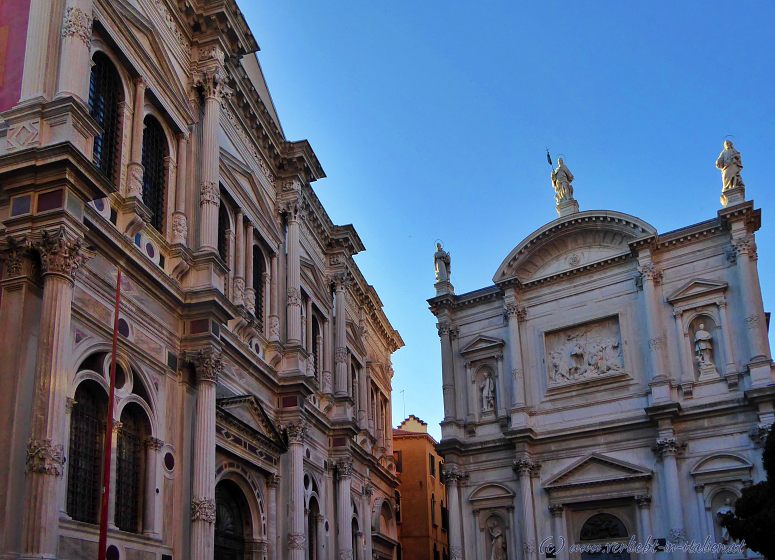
point(253, 398)
point(632, 384)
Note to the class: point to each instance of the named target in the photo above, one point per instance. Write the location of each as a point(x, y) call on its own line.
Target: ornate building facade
point(613, 383)
point(253, 387)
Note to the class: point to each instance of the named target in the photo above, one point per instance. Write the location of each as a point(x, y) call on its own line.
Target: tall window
point(433, 509)
point(105, 97)
point(432, 464)
point(315, 346)
point(154, 176)
point(130, 468)
point(87, 440)
point(258, 285)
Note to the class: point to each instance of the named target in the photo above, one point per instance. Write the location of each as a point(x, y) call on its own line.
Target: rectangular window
point(399, 461)
point(432, 462)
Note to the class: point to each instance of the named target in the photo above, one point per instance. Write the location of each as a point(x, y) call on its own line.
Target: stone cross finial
point(562, 180)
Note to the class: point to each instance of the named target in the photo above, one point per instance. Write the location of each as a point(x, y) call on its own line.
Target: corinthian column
point(368, 490)
point(455, 517)
point(271, 516)
point(74, 59)
point(296, 539)
point(751, 295)
point(179, 220)
point(213, 88)
point(668, 448)
point(293, 308)
point(340, 355)
point(525, 469)
point(208, 368)
point(513, 315)
point(651, 277)
point(447, 372)
point(344, 510)
point(60, 257)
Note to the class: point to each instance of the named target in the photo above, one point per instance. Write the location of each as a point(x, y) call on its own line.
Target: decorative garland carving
point(77, 23)
point(209, 194)
point(179, 226)
point(43, 457)
point(203, 509)
point(294, 296)
point(296, 541)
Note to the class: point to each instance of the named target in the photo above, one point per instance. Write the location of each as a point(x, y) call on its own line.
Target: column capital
point(443, 328)
point(77, 24)
point(61, 254)
point(273, 480)
point(744, 245)
point(209, 194)
point(344, 468)
point(512, 310)
point(649, 271)
point(368, 489)
point(668, 446)
point(524, 465)
point(209, 365)
point(341, 281)
point(203, 509)
point(153, 443)
point(453, 476)
point(556, 510)
point(643, 501)
point(296, 432)
point(340, 355)
point(44, 457)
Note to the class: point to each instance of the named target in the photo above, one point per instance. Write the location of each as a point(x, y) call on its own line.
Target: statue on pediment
point(561, 181)
point(731, 164)
point(442, 263)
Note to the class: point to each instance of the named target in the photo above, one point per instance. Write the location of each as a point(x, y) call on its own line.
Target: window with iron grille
point(87, 440)
point(105, 98)
point(258, 287)
point(154, 176)
point(130, 469)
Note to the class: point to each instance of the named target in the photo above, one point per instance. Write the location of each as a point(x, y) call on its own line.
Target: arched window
point(154, 175)
point(232, 521)
point(105, 97)
point(130, 468)
point(258, 284)
point(223, 227)
point(87, 441)
point(604, 528)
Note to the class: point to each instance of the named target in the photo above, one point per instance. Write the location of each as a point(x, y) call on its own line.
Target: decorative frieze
point(43, 457)
point(78, 24)
point(203, 509)
point(296, 541)
point(584, 352)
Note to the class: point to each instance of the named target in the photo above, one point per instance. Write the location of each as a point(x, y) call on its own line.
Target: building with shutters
point(253, 387)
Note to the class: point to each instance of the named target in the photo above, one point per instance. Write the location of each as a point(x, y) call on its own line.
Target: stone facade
point(613, 382)
point(253, 384)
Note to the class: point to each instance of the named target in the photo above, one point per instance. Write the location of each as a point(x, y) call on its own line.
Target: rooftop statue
point(561, 180)
point(443, 264)
point(731, 164)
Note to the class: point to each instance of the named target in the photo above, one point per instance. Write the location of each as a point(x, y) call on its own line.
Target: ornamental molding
point(172, 25)
point(250, 145)
point(209, 365)
point(43, 457)
point(344, 469)
point(60, 254)
point(203, 509)
point(296, 432)
point(78, 24)
point(294, 296)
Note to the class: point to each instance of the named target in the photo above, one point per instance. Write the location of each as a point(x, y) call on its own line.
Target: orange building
point(422, 496)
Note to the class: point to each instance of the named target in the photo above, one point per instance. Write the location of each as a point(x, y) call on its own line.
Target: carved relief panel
point(584, 352)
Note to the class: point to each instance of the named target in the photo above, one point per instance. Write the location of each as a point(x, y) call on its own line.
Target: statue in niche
point(497, 542)
point(487, 388)
point(442, 263)
point(731, 164)
point(721, 512)
point(703, 347)
point(561, 181)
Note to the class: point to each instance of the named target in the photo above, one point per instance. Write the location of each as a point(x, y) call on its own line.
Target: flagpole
point(105, 499)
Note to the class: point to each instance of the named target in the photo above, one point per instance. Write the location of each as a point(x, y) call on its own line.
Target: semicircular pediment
point(574, 241)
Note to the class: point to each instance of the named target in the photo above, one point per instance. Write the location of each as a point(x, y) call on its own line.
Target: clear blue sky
point(431, 119)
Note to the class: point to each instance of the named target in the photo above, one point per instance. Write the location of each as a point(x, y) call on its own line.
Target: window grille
point(154, 153)
point(129, 471)
point(87, 439)
point(105, 98)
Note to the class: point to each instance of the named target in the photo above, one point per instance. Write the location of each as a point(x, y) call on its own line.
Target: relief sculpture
point(584, 352)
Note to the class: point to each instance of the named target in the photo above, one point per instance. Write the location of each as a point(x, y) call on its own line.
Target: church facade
point(614, 383)
point(252, 417)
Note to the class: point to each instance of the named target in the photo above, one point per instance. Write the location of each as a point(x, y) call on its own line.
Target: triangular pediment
point(482, 344)
point(246, 411)
point(597, 469)
point(697, 288)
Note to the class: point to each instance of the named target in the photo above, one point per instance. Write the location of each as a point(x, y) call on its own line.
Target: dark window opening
point(105, 98)
point(154, 180)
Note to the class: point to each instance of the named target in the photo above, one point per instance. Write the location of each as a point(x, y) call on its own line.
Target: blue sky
point(431, 119)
